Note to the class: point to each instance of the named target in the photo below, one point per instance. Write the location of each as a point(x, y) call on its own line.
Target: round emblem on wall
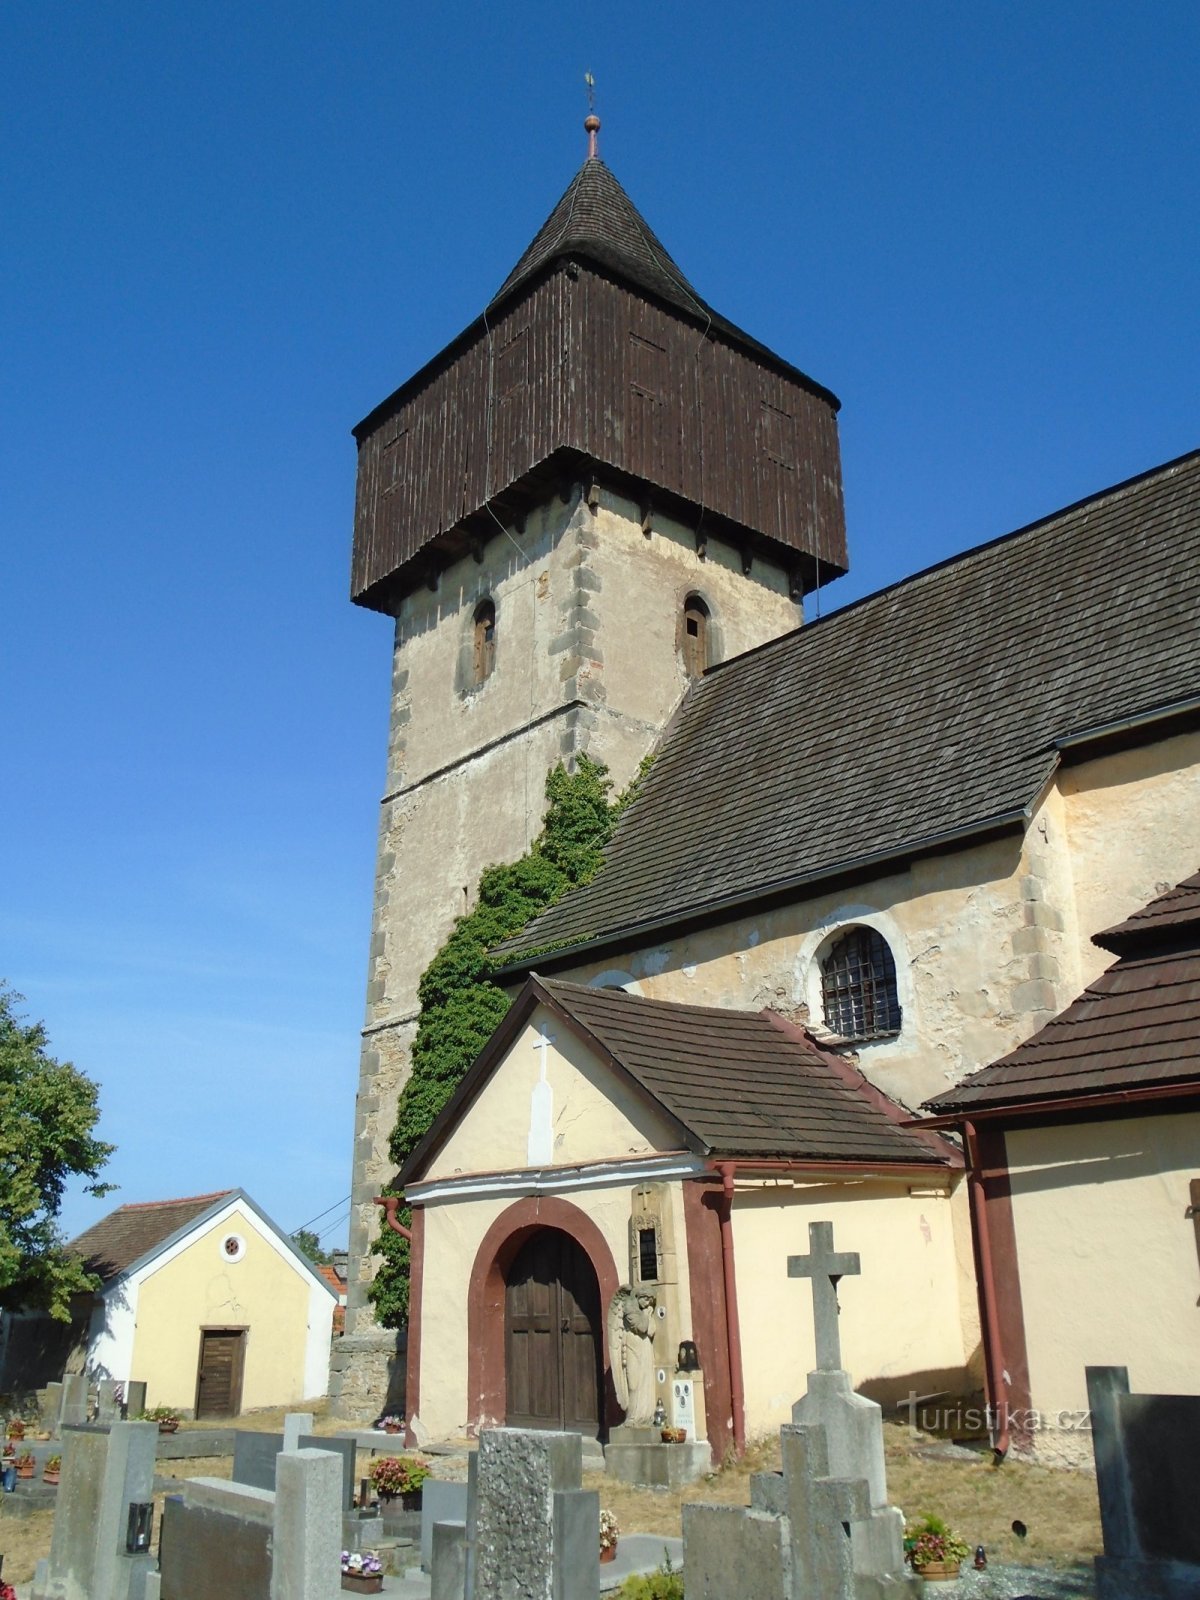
point(233, 1247)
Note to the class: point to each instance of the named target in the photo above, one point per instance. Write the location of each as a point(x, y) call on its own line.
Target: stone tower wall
point(589, 609)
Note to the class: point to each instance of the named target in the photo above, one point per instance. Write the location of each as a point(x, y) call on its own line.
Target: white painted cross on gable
point(540, 1146)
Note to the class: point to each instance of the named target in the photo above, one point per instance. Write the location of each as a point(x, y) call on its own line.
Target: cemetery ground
point(1056, 1505)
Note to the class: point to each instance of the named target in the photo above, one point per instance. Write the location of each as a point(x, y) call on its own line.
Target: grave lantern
point(137, 1532)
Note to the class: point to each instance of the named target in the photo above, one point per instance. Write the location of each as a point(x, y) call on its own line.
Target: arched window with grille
point(858, 987)
point(485, 640)
point(694, 639)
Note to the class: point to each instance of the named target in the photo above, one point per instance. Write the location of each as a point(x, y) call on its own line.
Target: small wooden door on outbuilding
point(552, 1336)
point(219, 1374)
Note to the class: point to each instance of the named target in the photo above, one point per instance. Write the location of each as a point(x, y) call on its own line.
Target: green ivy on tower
point(460, 1006)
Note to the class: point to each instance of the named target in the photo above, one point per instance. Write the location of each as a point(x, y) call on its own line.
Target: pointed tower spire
point(591, 122)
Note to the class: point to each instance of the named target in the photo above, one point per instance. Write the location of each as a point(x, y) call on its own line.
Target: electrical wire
point(337, 1204)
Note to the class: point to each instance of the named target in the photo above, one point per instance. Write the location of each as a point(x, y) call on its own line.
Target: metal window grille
point(858, 987)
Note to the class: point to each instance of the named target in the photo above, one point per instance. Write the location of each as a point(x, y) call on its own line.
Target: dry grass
point(981, 1501)
point(269, 1419)
point(24, 1541)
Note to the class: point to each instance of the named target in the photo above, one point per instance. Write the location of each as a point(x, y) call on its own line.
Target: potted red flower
point(400, 1477)
point(935, 1551)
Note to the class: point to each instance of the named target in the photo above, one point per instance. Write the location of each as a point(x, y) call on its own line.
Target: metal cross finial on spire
point(591, 122)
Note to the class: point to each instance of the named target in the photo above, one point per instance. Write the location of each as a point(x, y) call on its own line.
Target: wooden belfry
point(597, 361)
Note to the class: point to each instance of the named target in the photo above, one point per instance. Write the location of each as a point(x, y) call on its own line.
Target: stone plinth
point(656, 1465)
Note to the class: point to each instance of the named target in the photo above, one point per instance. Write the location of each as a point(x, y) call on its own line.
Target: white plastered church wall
point(901, 1315)
point(607, 1139)
point(1107, 1259)
point(990, 940)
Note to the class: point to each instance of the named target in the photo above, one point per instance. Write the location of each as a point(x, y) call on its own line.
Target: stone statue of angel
point(631, 1351)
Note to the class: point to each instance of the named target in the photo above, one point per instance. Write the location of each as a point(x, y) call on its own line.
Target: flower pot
point(939, 1571)
point(393, 1427)
point(26, 1472)
point(167, 1427)
point(50, 1477)
point(610, 1554)
point(363, 1583)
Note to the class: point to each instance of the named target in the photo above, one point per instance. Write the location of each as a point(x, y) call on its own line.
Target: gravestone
point(74, 1409)
point(441, 1501)
point(531, 1531)
point(1147, 1451)
point(102, 1475)
point(820, 1528)
point(230, 1541)
point(296, 1423)
point(135, 1399)
point(853, 1424)
point(216, 1542)
point(50, 1406)
point(256, 1455)
point(307, 1542)
point(109, 1395)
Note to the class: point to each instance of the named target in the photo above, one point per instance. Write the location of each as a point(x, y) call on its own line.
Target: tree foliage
point(47, 1113)
point(460, 1005)
point(309, 1244)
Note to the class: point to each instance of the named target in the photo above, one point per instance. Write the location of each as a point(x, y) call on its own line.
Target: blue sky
point(230, 230)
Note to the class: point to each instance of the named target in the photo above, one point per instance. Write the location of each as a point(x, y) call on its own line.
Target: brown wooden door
point(219, 1376)
point(552, 1336)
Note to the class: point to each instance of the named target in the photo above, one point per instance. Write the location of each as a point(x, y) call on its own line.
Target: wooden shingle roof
point(596, 220)
point(745, 1082)
point(734, 1083)
point(1136, 1028)
point(1168, 915)
point(929, 711)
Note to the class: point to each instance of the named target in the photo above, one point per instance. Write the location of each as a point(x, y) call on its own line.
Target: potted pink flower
point(610, 1530)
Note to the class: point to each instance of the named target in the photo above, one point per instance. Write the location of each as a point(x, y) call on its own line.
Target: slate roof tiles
point(930, 708)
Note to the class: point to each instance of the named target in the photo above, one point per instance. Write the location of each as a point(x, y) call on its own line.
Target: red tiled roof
point(114, 1243)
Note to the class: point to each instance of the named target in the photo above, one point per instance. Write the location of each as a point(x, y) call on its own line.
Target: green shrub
point(664, 1583)
point(460, 1005)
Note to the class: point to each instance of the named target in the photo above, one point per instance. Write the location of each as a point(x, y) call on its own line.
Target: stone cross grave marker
point(825, 1266)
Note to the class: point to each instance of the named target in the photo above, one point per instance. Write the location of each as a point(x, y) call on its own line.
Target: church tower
point(598, 489)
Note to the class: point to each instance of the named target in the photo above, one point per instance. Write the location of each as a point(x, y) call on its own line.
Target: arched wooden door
point(553, 1347)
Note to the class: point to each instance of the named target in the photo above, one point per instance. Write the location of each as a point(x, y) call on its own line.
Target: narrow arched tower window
point(695, 636)
point(858, 987)
point(485, 640)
